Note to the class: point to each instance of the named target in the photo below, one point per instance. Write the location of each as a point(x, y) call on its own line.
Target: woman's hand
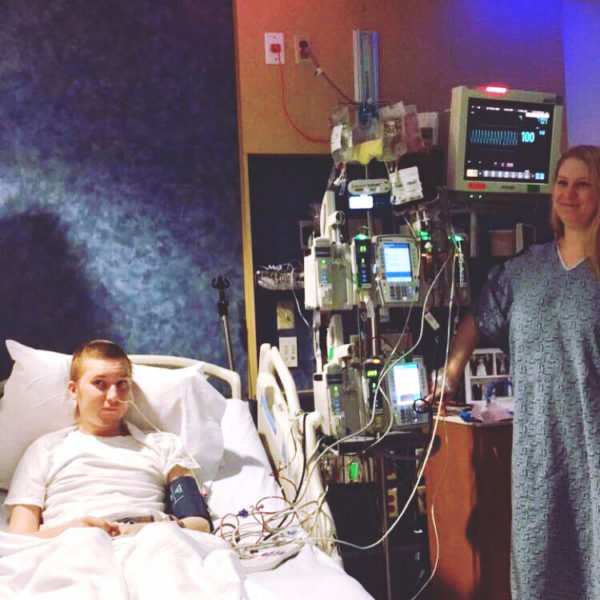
point(463, 344)
point(444, 388)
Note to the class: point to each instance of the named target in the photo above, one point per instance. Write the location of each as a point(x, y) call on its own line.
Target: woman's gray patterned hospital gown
point(550, 316)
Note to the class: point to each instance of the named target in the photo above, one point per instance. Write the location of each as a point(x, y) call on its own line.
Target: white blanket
point(161, 562)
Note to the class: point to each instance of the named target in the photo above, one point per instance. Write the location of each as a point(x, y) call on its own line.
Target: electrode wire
point(423, 465)
point(297, 129)
point(319, 72)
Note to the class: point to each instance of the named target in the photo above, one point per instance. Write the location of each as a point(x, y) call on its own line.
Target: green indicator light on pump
point(353, 468)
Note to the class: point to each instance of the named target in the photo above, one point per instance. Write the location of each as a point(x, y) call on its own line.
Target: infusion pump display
point(397, 263)
point(407, 386)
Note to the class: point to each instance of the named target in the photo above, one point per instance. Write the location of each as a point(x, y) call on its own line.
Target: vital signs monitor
point(502, 142)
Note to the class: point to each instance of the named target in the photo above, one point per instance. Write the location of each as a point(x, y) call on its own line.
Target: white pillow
point(244, 460)
point(35, 402)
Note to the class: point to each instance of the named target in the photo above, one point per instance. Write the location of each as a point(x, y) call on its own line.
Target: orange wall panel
point(328, 26)
point(426, 47)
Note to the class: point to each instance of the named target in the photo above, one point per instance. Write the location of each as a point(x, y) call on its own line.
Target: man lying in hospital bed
point(103, 472)
point(98, 555)
point(106, 476)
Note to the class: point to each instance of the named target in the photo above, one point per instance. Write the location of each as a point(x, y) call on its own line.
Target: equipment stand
point(221, 284)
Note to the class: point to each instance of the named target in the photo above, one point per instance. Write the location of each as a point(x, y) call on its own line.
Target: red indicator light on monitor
point(496, 89)
point(477, 186)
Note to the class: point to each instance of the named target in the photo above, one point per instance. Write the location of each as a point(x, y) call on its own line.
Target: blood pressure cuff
point(185, 500)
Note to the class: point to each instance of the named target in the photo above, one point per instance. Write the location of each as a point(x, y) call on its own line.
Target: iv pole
point(221, 283)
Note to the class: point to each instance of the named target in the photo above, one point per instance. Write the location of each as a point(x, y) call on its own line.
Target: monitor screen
point(397, 264)
point(406, 379)
point(502, 146)
point(362, 202)
point(508, 140)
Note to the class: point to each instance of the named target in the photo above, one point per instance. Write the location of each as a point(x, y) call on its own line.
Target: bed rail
point(176, 362)
point(289, 436)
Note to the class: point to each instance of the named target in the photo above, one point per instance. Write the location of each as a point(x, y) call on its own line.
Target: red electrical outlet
point(274, 49)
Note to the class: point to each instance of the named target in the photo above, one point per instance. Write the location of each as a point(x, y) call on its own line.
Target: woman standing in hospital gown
point(544, 306)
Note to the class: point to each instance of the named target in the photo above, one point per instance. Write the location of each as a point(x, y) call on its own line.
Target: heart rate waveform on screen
point(494, 137)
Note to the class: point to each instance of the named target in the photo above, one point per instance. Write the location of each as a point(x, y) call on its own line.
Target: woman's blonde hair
point(590, 155)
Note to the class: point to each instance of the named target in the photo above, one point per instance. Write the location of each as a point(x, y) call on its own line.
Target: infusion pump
point(357, 400)
point(404, 384)
point(398, 273)
point(386, 267)
point(328, 276)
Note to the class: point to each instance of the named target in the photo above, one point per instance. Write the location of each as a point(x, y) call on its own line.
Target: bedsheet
point(161, 561)
point(311, 574)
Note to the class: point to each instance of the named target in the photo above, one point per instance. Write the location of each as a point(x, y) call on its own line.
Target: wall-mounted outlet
point(285, 314)
point(288, 348)
point(274, 49)
point(302, 49)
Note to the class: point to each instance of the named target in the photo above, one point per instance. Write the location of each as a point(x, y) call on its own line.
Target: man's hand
point(110, 527)
point(193, 523)
point(196, 523)
point(130, 528)
point(25, 520)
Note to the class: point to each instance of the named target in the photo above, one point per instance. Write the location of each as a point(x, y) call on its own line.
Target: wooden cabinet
point(468, 488)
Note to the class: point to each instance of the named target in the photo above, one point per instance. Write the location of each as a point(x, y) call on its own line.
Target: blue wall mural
point(119, 192)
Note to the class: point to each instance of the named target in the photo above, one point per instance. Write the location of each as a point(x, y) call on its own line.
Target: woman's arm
point(464, 342)
point(25, 520)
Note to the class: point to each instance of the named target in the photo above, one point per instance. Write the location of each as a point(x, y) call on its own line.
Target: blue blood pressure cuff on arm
point(185, 500)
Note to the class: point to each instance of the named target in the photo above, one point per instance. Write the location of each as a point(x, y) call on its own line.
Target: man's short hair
point(103, 349)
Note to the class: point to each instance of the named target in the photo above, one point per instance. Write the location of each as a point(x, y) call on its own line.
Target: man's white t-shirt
point(70, 474)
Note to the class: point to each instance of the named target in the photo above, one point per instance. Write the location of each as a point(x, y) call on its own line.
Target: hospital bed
point(240, 478)
point(289, 435)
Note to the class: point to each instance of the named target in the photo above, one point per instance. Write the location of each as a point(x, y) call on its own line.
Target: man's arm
point(197, 523)
point(191, 522)
point(25, 520)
